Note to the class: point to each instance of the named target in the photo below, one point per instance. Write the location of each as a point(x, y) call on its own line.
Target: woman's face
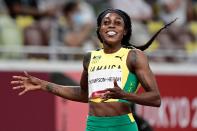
point(112, 29)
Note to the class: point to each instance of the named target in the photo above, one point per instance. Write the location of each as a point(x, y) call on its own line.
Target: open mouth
point(111, 33)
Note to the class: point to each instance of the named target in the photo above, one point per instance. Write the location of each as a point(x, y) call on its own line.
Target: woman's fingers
point(18, 87)
point(19, 77)
point(23, 92)
point(21, 82)
point(26, 74)
point(17, 82)
point(110, 90)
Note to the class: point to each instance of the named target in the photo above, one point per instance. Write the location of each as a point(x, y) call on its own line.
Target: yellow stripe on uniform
point(98, 100)
point(131, 117)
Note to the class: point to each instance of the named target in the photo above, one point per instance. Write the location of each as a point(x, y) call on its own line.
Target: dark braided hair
point(128, 27)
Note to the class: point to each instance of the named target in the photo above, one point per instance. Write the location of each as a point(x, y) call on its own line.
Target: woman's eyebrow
point(117, 18)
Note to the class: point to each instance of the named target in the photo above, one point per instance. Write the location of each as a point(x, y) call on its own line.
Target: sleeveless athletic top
point(104, 68)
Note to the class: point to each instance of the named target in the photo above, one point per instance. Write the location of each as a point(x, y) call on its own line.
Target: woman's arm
point(77, 93)
point(138, 63)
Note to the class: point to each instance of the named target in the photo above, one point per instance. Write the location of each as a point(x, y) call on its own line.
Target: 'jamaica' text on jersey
point(104, 67)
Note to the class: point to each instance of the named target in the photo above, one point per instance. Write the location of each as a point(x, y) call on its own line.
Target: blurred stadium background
point(48, 38)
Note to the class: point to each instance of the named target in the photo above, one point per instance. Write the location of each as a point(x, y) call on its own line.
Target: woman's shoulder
point(137, 57)
point(137, 52)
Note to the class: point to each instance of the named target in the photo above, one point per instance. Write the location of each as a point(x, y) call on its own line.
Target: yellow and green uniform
point(103, 69)
point(113, 123)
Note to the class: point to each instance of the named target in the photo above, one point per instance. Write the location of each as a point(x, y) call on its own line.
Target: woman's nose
point(111, 25)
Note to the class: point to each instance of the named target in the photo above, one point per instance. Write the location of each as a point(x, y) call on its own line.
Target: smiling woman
point(112, 29)
point(109, 79)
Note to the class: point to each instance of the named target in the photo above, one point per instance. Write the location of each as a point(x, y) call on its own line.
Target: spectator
point(173, 42)
point(171, 9)
point(9, 28)
point(75, 27)
point(34, 20)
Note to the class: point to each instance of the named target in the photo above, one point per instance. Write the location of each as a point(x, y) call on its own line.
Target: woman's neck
point(109, 49)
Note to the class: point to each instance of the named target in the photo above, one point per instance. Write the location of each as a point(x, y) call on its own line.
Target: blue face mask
point(78, 19)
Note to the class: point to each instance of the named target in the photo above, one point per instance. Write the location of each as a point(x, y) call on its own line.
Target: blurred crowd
point(72, 24)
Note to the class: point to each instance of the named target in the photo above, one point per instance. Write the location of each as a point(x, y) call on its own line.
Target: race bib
point(103, 79)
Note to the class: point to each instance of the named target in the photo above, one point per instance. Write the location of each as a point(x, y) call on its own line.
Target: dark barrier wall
point(31, 112)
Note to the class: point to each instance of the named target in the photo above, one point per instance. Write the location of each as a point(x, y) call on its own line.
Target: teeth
point(111, 33)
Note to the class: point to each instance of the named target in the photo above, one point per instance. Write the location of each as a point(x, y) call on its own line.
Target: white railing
point(53, 52)
point(54, 65)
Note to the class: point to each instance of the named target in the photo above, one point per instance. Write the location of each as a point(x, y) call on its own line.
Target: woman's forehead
point(112, 14)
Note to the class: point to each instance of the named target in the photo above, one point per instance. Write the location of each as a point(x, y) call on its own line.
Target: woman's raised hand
point(27, 83)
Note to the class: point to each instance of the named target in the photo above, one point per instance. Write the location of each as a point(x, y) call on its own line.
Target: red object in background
point(41, 111)
point(177, 113)
point(33, 111)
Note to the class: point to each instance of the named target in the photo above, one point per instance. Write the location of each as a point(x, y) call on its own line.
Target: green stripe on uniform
point(131, 84)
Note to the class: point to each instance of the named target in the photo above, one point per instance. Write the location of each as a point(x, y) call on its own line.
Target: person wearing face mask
point(75, 28)
point(110, 77)
point(84, 15)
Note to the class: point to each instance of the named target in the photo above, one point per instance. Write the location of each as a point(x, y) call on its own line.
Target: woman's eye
point(118, 22)
point(106, 22)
